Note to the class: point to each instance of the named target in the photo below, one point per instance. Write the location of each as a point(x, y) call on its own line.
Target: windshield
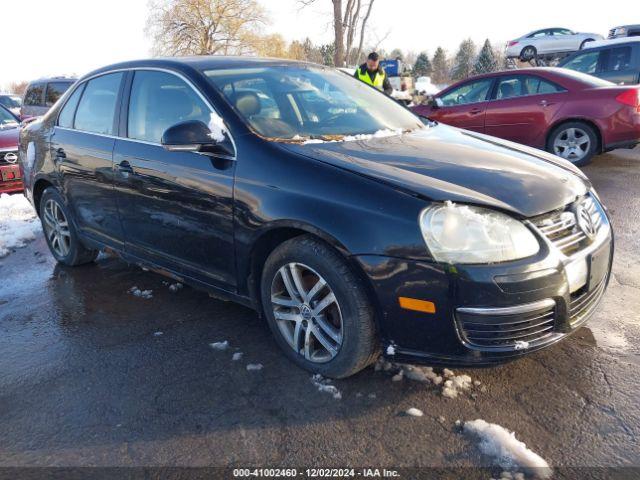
point(10, 101)
point(309, 102)
point(6, 119)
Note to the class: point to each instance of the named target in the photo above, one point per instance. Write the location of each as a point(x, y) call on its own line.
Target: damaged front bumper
point(486, 314)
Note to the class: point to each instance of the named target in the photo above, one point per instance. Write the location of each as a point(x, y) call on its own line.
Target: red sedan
point(570, 114)
point(10, 179)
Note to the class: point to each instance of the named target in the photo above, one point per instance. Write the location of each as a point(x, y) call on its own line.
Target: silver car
point(548, 41)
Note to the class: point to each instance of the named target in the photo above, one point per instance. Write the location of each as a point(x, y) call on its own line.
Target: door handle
point(544, 103)
point(475, 111)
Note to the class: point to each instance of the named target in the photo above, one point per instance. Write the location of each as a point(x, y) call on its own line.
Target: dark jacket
point(386, 86)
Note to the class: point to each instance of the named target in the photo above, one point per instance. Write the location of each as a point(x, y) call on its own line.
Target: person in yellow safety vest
point(373, 74)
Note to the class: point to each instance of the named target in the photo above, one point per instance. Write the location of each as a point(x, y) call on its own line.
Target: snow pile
point(324, 385)
point(174, 287)
point(521, 345)
point(451, 384)
point(216, 125)
point(237, 356)
point(454, 384)
point(254, 367)
point(136, 292)
point(18, 223)
point(157, 334)
point(220, 345)
point(509, 452)
point(414, 412)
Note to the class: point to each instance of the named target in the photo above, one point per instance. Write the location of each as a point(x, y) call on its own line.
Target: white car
point(548, 41)
point(425, 87)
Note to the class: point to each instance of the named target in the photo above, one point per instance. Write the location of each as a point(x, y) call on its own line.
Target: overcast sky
point(54, 37)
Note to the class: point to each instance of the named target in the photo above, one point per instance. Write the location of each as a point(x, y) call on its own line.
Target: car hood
point(444, 163)
point(9, 138)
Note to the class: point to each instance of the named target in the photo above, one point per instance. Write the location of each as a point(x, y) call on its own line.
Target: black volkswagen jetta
point(351, 224)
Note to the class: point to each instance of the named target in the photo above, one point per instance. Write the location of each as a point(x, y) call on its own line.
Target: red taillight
point(631, 98)
point(512, 43)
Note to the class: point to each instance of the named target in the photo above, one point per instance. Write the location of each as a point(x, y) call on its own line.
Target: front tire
point(60, 232)
point(528, 53)
point(582, 45)
point(576, 142)
point(318, 309)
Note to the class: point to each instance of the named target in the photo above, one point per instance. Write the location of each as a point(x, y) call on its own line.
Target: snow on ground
point(220, 345)
point(254, 367)
point(174, 287)
point(19, 223)
point(451, 384)
point(414, 412)
point(324, 385)
point(237, 356)
point(508, 451)
point(136, 292)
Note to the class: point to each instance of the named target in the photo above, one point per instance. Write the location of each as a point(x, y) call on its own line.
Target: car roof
point(613, 41)
point(53, 79)
point(200, 63)
point(560, 75)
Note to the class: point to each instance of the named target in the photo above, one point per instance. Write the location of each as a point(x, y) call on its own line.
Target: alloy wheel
point(56, 228)
point(307, 312)
point(572, 144)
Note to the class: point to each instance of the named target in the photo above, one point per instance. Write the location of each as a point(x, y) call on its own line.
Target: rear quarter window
point(33, 97)
point(55, 91)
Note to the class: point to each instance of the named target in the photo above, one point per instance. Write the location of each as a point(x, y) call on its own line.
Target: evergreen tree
point(440, 67)
point(464, 60)
point(423, 67)
point(327, 51)
point(487, 61)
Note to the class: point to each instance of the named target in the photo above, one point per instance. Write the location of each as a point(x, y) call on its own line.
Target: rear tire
point(60, 231)
point(346, 325)
point(576, 142)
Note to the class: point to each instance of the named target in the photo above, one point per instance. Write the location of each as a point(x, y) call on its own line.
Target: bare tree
point(205, 27)
point(350, 19)
point(17, 87)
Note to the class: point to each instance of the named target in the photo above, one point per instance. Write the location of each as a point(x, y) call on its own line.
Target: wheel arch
point(39, 187)
point(587, 121)
point(270, 238)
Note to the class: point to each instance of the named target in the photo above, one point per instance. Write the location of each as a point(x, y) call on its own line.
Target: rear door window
point(97, 107)
point(33, 97)
point(55, 91)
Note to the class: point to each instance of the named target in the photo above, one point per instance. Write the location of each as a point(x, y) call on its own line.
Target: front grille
point(562, 230)
point(3, 157)
point(583, 303)
point(500, 329)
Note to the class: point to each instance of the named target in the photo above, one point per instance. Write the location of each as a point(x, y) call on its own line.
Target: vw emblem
point(306, 312)
point(585, 222)
point(11, 157)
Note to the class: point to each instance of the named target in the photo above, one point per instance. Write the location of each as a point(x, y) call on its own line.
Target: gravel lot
point(91, 375)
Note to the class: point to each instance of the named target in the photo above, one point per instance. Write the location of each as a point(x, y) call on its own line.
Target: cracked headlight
point(468, 234)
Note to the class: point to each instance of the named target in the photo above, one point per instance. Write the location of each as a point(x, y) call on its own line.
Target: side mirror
point(436, 102)
point(193, 136)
